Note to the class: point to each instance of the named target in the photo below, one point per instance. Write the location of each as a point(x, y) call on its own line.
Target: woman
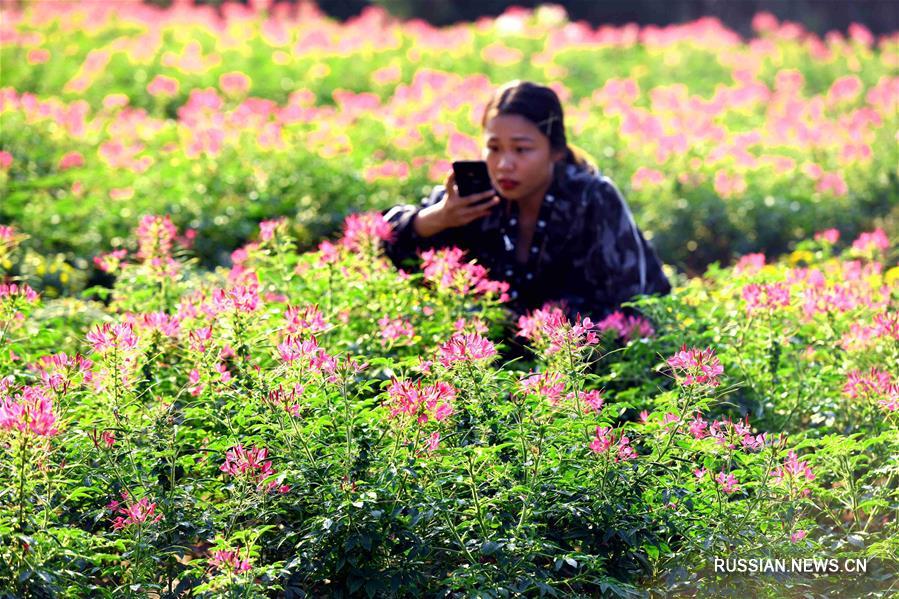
point(556, 231)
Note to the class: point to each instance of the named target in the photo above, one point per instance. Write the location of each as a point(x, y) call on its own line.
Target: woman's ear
point(557, 155)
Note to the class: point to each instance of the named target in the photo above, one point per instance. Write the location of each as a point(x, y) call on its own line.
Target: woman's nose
point(505, 162)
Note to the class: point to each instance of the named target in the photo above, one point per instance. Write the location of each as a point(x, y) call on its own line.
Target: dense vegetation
point(253, 402)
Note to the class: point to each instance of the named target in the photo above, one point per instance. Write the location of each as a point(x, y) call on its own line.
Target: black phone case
point(472, 177)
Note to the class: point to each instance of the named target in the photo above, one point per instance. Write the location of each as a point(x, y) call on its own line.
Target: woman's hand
point(453, 210)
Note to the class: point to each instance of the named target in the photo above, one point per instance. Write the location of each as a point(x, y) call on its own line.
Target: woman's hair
point(541, 106)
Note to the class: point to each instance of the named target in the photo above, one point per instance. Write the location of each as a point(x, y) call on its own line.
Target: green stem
point(475, 496)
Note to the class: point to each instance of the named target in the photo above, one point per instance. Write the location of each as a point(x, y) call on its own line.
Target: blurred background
point(819, 16)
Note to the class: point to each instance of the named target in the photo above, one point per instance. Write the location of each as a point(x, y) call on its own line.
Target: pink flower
point(5, 160)
point(365, 230)
point(433, 442)
point(310, 319)
point(390, 169)
point(798, 536)
point(647, 177)
point(395, 329)
point(867, 385)
point(593, 400)
point(111, 261)
point(830, 236)
point(870, 241)
point(163, 86)
point(249, 464)
point(625, 451)
point(134, 513)
point(234, 83)
point(240, 298)
point(71, 160)
point(696, 367)
point(38, 56)
point(602, 441)
point(466, 348)
point(794, 474)
point(292, 348)
point(107, 336)
point(767, 298)
point(170, 326)
point(729, 185)
point(30, 411)
point(446, 269)
point(284, 400)
point(108, 439)
point(546, 385)
point(728, 482)
point(887, 325)
point(421, 402)
point(269, 228)
point(462, 147)
point(229, 561)
point(699, 473)
point(531, 325)
point(832, 183)
point(16, 291)
point(698, 427)
point(330, 253)
point(605, 439)
point(750, 263)
point(626, 327)
point(560, 333)
point(155, 237)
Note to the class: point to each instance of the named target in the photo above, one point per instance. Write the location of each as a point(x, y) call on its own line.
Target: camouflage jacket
point(586, 250)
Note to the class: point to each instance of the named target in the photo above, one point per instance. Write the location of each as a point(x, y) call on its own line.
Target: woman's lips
point(506, 184)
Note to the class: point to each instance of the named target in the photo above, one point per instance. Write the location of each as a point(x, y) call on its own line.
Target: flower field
point(213, 383)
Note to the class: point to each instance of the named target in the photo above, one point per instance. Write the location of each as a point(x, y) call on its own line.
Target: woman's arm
point(436, 221)
point(407, 240)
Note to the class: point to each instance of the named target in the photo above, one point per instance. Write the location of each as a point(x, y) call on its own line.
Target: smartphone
point(472, 177)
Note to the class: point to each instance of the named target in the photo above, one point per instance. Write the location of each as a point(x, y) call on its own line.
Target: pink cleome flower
point(545, 385)
point(30, 411)
point(768, 298)
point(393, 330)
point(71, 160)
point(560, 333)
point(250, 464)
point(234, 83)
point(447, 269)
point(728, 482)
point(869, 385)
point(626, 327)
point(270, 229)
point(163, 86)
point(830, 236)
point(604, 440)
point(365, 230)
point(133, 513)
point(421, 402)
point(111, 261)
point(229, 561)
point(155, 237)
point(696, 367)
point(14, 291)
point(466, 348)
point(871, 241)
point(106, 336)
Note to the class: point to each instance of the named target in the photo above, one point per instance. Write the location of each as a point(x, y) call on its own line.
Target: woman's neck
point(529, 207)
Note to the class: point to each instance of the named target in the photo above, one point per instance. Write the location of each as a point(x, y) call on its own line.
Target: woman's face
point(518, 157)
